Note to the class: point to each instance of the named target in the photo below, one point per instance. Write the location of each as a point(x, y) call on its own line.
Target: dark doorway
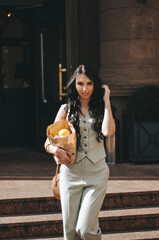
point(16, 87)
point(32, 45)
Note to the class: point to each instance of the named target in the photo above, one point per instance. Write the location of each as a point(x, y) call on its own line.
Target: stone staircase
point(123, 216)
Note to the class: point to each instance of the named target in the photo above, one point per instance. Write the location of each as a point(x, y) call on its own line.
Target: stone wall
point(129, 44)
point(129, 49)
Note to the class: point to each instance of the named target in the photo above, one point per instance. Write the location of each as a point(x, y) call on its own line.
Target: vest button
point(85, 152)
point(85, 129)
point(85, 137)
point(85, 145)
point(84, 121)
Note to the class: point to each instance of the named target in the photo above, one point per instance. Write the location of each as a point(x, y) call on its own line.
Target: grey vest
point(90, 148)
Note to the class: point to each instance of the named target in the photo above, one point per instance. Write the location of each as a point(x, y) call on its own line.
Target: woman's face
point(84, 86)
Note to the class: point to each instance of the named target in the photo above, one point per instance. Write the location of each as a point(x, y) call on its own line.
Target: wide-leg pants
point(82, 188)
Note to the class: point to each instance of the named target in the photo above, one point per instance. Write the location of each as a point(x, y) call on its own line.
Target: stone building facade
point(120, 38)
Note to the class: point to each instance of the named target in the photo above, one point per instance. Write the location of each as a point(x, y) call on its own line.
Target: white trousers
point(82, 188)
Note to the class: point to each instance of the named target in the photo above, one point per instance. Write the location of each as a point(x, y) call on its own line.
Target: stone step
point(139, 235)
point(50, 204)
point(111, 221)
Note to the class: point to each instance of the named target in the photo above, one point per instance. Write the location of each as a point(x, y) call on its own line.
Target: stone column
point(129, 44)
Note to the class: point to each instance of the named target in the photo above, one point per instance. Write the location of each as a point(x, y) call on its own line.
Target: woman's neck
point(84, 103)
point(84, 107)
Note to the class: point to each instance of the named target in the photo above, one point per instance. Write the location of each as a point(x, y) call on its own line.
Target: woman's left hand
point(106, 93)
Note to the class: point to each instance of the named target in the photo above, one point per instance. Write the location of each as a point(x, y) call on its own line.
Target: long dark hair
point(96, 104)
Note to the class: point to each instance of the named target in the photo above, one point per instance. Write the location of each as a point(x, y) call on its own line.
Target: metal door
point(53, 65)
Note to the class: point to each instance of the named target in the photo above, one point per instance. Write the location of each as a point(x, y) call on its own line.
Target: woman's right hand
point(61, 156)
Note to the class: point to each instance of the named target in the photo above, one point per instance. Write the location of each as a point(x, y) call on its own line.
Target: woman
point(83, 184)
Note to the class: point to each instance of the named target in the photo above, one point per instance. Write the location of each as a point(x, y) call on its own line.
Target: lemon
point(64, 132)
point(55, 133)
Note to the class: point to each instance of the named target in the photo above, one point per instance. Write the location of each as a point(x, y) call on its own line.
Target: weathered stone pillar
point(129, 44)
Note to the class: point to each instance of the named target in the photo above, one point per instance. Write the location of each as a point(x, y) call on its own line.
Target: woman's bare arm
point(108, 124)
